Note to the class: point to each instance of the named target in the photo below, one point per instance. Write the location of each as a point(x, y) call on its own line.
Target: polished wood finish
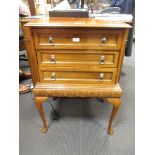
point(28, 38)
point(116, 102)
point(122, 52)
point(58, 22)
point(75, 58)
point(77, 90)
point(72, 57)
point(38, 102)
point(88, 38)
point(73, 75)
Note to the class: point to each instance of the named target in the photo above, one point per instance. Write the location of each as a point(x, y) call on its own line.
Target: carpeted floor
point(82, 129)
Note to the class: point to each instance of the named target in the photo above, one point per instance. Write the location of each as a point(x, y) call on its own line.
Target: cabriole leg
point(38, 103)
point(116, 102)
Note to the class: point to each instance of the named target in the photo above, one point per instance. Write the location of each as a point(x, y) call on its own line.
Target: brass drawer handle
point(102, 58)
point(103, 41)
point(51, 40)
point(53, 76)
point(101, 77)
point(53, 60)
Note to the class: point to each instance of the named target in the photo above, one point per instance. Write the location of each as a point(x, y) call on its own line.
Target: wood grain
point(28, 38)
point(77, 58)
point(65, 55)
point(39, 101)
point(88, 38)
point(116, 102)
point(122, 52)
point(77, 90)
point(75, 23)
point(71, 76)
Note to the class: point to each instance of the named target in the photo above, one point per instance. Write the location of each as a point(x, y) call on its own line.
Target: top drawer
point(78, 38)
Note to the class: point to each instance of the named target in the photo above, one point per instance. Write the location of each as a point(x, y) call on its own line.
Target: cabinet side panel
point(125, 35)
point(28, 38)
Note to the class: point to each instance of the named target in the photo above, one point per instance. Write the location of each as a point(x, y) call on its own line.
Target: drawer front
point(104, 59)
point(71, 76)
point(77, 39)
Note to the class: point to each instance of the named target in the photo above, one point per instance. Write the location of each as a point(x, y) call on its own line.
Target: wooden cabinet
point(74, 57)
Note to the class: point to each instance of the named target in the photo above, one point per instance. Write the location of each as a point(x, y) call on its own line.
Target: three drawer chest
point(76, 57)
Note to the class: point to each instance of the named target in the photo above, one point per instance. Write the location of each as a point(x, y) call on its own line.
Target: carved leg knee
point(38, 103)
point(116, 102)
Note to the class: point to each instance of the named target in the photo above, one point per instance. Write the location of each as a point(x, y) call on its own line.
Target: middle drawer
point(58, 58)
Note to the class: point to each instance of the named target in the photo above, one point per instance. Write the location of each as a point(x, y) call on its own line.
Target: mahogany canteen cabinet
point(76, 57)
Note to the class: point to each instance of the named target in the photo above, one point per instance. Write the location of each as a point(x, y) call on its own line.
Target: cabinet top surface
point(75, 22)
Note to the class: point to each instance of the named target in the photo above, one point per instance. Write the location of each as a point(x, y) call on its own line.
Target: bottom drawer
point(70, 76)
